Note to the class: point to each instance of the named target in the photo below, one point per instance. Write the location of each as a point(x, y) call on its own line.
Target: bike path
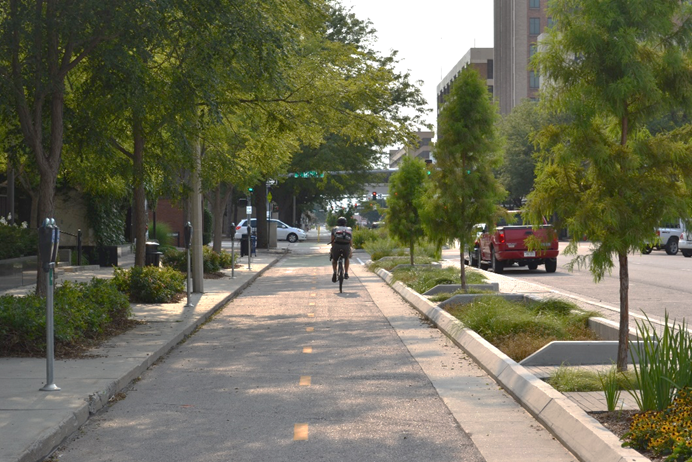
point(293, 370)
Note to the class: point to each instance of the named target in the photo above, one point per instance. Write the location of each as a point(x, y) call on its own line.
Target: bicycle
point(340, 271)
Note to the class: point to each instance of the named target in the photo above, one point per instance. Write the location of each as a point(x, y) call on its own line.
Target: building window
point(535, 26)
point(551, 23)
point(490, 89)
point(490, 68)
point(535, 4)
point(534, 81)
point(533, 49)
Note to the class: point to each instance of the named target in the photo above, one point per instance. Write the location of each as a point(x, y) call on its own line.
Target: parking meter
point(232, 231)
point(48, 243)
point(188, 235)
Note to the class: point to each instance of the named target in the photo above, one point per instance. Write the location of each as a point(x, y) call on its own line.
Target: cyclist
point(342, 237)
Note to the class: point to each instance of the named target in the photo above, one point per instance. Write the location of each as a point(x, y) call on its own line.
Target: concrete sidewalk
point(33, 422)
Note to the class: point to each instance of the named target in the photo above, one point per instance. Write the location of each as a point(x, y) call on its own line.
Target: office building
point(517, 25)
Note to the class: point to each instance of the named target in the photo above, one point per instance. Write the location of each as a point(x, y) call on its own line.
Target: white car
point(283, 231)
point(670, 236)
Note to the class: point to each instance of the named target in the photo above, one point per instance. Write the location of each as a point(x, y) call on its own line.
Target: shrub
point(82, 312)
point(150, 284)
point(17, 240)
point(363, 235)
point(212, 261)
point(163, 234)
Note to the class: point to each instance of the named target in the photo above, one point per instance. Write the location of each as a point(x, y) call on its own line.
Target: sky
point(431, 36)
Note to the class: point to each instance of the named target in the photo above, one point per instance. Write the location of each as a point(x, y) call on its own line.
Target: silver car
point(283, 231)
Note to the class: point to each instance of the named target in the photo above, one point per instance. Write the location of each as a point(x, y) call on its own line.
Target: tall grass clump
point(611, 388)
point(384, 247)
point(423, 278)
point(519, 329)
point(663, 363)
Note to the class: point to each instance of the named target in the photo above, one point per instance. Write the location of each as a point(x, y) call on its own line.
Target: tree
point(464, 190)
point(517, 170)
point(42, 42)
point(406, 189)
point(611, 68)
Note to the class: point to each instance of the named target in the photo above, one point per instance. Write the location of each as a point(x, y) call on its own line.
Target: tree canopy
point(463, 189)
point(609, 69)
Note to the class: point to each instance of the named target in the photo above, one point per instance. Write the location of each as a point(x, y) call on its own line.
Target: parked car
point(668, 238)
point(283, 231)
point(685, 244)
point(510, 245)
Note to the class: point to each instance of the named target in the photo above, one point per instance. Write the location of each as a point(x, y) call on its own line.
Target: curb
point(44, 446)
point(579, 432)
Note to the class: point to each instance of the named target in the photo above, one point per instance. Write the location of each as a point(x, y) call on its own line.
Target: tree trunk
point(463, 268)
point(196, 215)
point(219, 201)
point(138, 194)
point(623, 338)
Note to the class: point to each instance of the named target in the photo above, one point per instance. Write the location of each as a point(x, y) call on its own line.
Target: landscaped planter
point(578, 431)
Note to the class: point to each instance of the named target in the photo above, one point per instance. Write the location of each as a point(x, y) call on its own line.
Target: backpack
point(342, 235)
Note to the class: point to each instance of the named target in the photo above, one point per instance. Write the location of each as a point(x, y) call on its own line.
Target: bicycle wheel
point(341, 274)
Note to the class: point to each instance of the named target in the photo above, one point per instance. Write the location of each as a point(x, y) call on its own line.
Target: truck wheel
point(498, 266)
point(550, 265)
point(473, 258)
point(533, 266)
point(646, 250)
point(672, 246)
point(687, 253)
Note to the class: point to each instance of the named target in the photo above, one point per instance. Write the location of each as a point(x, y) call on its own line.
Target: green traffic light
point(249, 189)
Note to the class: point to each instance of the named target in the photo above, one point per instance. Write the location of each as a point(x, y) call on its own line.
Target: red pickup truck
point(510, 244)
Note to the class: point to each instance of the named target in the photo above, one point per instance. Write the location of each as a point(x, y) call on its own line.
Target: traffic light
point(249, 189)
point(374, 195)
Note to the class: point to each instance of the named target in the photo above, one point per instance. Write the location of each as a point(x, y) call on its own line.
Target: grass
point(442, 296)
point(387, 263)
point(421, 279)
point(518, 329)
point(566, 379)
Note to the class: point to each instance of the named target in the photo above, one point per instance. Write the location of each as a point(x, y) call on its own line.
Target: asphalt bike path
point(293, 370)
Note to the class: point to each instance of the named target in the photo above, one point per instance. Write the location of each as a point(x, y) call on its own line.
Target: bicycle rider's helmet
point(341, 221)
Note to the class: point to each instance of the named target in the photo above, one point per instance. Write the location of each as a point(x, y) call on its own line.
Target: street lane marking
point(300, 432)
point(360, 261)
point(313, 295)
point(307, 349)
point(305, 381)
point(311, 304)
point(309, 329)
point(311, 315)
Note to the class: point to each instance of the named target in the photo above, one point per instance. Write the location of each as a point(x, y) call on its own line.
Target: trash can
point(243, 245)
point(152, 256)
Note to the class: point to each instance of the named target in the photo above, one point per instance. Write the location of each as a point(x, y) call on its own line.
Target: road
point(659, 282)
